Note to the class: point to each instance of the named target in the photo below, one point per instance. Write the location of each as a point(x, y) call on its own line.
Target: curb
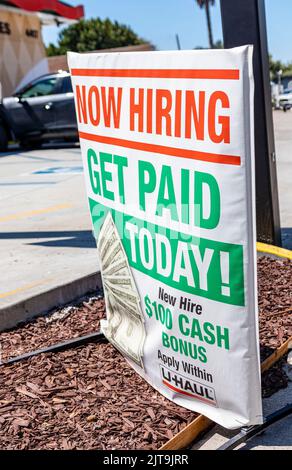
point(274, 250)
point(45, 301)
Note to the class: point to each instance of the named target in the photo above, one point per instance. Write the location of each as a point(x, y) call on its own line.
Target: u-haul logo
point(185, 386)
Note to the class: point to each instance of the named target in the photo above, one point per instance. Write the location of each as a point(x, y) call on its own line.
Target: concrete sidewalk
point(45, 228)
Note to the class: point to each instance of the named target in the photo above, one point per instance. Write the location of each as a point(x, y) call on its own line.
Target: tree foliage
point(93, 34)
point(276, 65)
point(202, 3)
point(217, 45)
point(206, 5)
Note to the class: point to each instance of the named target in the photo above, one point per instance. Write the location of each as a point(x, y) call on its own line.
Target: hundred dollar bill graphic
point(121, 281)
point(126, 332)
point(124, 326)
point(118, 268)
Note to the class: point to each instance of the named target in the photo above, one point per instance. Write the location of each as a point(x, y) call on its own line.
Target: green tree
point(206, 4)
point(276, 65)
point(93, 34)
point(217, 45)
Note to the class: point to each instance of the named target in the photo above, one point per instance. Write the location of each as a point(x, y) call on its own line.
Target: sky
point(158, 21)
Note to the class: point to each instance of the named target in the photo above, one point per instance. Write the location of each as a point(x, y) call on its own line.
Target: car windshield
point(43, 87)
point(287, 92)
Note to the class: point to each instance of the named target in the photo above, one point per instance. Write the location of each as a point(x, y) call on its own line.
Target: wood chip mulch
point(90, 398)
point(275, 301)
point(275, 378)
point(60, 325)
point(275, 317)
point(85, 398)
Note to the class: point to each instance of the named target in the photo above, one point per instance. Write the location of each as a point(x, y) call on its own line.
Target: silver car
point(285, 100)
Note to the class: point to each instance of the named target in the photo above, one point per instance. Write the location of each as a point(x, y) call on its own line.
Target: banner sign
point(167, 148)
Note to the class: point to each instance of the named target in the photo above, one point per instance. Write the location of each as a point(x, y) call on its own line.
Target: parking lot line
point(25, 214)
point(23, 288)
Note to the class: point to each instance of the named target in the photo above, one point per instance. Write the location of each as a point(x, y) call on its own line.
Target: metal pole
point(244, 22)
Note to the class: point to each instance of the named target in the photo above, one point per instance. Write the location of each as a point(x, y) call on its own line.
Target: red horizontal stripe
point(163, 150)
point(54, 6)
point(198, 397)
point(212, 74)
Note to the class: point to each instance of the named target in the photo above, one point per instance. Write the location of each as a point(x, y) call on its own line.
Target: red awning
point(50, 6)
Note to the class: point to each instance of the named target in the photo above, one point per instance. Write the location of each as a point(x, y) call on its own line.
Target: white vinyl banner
point(168, 155)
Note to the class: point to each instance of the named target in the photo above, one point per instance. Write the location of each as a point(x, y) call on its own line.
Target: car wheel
point(27, 145)
point(3, 139)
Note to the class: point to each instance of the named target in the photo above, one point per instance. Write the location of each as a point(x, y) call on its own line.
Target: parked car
point(42, 111)
point(285, 100)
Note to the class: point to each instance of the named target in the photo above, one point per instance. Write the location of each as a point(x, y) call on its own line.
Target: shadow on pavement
point(73, 238)
point(287, 238)
point(10, 152)
point(61, 145)
point(15, 149)
point(278, 435)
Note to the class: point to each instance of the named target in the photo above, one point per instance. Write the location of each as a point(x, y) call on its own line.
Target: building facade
point(21, 43)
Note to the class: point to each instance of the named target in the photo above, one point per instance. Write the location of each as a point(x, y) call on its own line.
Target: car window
point(46, 86)
point(66, 85)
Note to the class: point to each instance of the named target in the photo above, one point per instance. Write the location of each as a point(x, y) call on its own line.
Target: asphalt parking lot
point(45, 229)
point(283, 138)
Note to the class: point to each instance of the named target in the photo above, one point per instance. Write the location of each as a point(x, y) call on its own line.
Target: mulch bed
point(60, 325)
point(85, 398)
point(275, 319)
point(90, 398)
point(275, 378)
point(275, 297)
